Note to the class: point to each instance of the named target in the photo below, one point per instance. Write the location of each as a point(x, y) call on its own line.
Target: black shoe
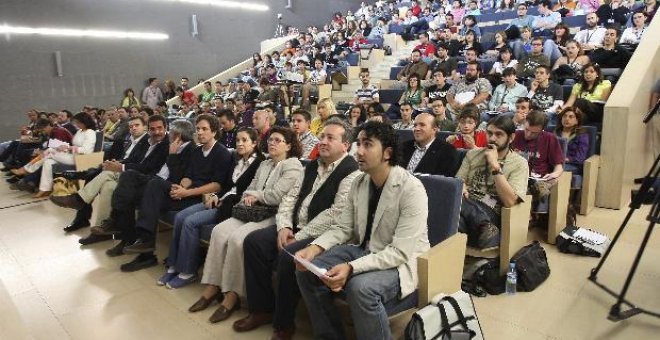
point(141, 246)
point(74, 175)
point(75, 226)
point(13, 180)
point(91, 238)
point(140, 262)
point(107, 227)
point(26, 186)
point(117, 250)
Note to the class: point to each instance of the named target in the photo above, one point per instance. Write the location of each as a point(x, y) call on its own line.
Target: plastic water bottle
point(511, 279)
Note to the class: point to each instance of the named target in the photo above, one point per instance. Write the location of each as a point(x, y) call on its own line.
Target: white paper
point(464, 97)
point(590, 236)
point(55, 143)
point(318, 271)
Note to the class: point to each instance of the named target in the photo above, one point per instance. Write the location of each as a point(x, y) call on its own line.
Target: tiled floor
point(52, 288)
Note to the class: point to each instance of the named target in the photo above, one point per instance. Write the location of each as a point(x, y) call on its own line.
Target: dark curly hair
point(85, 119)
point(385, 134)
point(290, 138)
point(214, 124)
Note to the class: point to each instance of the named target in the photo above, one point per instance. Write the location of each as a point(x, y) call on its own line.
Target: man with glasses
point(592, 36)
point(523, 20)
point(544, 156)
point(439, 88)
point(527, 66)
point(442, 119)
point(610, 55)
point(367, 93)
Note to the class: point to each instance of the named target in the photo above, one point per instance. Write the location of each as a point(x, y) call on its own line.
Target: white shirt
point(593, 36)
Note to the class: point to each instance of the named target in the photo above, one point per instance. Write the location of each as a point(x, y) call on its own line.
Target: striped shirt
point(367, 94)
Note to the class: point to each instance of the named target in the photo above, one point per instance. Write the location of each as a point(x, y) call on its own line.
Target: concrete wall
point(626, 150)
point(97, 71)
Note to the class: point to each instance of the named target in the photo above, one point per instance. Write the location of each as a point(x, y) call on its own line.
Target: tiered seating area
point(440, 269)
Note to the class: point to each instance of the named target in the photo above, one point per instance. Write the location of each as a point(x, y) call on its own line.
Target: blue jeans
point(184, 249)
point(366, 293)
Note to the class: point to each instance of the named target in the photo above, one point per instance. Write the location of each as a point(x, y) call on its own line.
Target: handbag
point(582, 241)
point(531, 267)
point(446, 317)
point(64, 187)
point(255, 213)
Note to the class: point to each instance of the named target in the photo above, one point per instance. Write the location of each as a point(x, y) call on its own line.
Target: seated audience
point(367, 93)
point(570, 66)
point(523, 106)
point(468, 137)
point(544, 94)
point(590, 94)
point(633, 35)
point(206, 172)
point(610, 55)
point(229, 129)
point(577, 148)
point(506, 94)
point(223, 269)
point(184, 255)
point(304, 213)
point(528, 64)
point(471, 90)
point(546, 21)
point(371, 260)
point(494, 177)
point(442, 118)
point(356, 116)
point(425, 153)
point(612, 12)
point(406, 113)
point(324, 109)
point(592, 36)
point(83, 142)
point(544, 155)
point(414, 94)
point(416, 66)
point(300, 122)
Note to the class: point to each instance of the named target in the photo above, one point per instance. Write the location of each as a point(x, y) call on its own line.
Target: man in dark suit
point(141, 152)
point(427, 154)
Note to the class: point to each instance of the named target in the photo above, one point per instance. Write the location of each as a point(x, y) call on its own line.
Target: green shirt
point(480, 182)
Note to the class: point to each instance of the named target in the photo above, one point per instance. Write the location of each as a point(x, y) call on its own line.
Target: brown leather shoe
point(222, 313)
point(283, 334)
point(41, 194)
point(204, 303)
point(68, 201)
point(252, 321)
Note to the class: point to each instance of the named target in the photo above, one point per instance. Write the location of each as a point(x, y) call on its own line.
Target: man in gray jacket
point(375, 242)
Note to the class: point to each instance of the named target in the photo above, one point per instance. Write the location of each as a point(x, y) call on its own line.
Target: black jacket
point(150, 164)
point(439, 159)
point(176, 163)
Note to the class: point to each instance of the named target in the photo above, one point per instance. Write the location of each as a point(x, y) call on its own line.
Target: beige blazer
point(399, 233)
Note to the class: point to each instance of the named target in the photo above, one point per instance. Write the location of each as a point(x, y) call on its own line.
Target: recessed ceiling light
point(226, 4)
point(91, 33)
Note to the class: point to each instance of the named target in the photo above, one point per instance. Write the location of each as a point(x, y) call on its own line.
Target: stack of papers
point(318, 271)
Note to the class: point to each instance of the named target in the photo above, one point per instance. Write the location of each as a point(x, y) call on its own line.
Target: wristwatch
point(496, 172)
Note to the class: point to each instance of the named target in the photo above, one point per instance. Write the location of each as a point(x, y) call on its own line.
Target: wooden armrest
point(325, 91)
point(559, 196)
point(589, 182)
point(513, 233)
point(353, 72)
point(440, 269)
point(86, 161)
point(387, 84)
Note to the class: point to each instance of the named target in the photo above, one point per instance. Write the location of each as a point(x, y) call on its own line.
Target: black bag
point(531, 267)
point(255, 213)
point(562, 73)
point(488, 277)
point(571, 243)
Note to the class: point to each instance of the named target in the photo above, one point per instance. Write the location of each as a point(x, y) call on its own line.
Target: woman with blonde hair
point(324, 109)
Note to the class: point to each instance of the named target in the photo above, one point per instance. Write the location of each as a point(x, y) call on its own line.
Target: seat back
point(444, 199)
point(404, 135)
point(99, 141)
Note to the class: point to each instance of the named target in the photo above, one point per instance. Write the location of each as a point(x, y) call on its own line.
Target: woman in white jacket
point(83, 143)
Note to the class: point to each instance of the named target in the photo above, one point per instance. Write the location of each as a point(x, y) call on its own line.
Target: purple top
point(578, 148)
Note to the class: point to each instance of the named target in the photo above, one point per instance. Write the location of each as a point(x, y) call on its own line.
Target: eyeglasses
point(537, 44)
point(275, 141)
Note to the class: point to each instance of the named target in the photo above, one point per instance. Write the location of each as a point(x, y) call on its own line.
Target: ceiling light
point(226, 4)
point(72, 32)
